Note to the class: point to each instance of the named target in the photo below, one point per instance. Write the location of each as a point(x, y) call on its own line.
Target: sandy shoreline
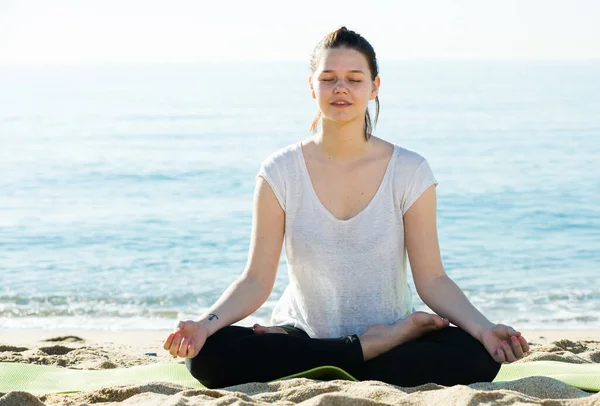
point(147, 338)
point(85, 349)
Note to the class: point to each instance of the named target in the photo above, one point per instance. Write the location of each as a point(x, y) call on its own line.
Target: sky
point(65, 32)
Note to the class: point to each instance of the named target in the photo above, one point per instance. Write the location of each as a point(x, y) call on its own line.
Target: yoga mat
point(38, 379)
point(582, 376)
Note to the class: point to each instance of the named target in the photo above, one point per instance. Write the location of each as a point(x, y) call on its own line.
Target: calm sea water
point(126, 191)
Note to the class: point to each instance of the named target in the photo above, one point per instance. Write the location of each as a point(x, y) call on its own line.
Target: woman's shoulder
point(411, 170)
point(281, 156)
point(407, 158)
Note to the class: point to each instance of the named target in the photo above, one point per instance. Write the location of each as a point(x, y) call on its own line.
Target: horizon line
point(5, 64)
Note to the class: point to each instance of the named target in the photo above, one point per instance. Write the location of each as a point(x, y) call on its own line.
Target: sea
point(126, 189)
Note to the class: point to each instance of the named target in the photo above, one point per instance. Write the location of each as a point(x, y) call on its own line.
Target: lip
point(347, 103)
point(333, 103)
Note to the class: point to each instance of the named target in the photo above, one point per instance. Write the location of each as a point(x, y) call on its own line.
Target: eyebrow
point(351, 71)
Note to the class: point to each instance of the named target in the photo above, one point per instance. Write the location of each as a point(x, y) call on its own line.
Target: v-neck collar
point(318, 201)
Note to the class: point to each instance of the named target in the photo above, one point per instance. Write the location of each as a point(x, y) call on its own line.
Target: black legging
point(235, 355)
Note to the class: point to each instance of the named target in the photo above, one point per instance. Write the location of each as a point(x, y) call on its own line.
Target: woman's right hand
point(187, 340)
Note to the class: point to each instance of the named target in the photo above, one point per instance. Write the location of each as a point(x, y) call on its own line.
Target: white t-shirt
point(344, 275)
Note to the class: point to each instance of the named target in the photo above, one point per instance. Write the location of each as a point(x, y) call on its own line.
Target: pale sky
point(50, 32)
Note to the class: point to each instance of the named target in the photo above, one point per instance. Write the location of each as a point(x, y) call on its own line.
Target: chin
point(341, 121)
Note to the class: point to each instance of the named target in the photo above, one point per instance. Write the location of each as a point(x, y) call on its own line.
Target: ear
point(312, 90)
point(375, 90)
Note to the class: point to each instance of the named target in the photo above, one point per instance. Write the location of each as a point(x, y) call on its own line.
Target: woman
point(348, 206)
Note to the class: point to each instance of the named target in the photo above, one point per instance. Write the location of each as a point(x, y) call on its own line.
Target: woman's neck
point(342, 143)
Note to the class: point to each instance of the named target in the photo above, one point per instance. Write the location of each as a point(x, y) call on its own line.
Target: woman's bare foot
point(380, 338)
point(258, 329)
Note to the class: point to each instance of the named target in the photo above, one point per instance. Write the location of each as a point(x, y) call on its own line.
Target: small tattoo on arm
point(212, 316)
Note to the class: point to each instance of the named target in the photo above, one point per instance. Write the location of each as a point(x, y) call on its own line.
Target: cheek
point(322, 93)
point(322, 88)
point(364, 91)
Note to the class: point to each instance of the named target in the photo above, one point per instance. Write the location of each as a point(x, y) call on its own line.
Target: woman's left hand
point(504, 343)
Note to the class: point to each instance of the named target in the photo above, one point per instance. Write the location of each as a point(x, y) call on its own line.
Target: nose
point(340, 87)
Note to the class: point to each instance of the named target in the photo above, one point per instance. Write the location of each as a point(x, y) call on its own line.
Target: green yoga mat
point(38, 379)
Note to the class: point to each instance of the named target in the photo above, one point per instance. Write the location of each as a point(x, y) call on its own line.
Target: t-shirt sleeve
point(421, 179)
point(271, 172)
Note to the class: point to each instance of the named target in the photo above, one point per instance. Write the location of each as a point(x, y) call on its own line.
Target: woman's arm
point(247, 293)
point(433, 285)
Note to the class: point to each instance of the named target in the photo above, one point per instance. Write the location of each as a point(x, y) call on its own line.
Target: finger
point(183, 349)
point(500, 354)
point(510, 331)
point(439, 322)
point(258, 329)
point(524, 344)
point(191, 353)
point(169, 341)
point(190, 348)
point(510, 357)
point(516, 347)
point(175, 345)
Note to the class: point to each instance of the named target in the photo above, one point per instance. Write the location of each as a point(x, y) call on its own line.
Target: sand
point(105, 350)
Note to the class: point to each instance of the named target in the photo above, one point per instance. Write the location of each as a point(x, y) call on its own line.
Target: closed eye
point(331, 80)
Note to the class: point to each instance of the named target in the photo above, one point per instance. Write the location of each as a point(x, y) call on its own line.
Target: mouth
point(341, 104)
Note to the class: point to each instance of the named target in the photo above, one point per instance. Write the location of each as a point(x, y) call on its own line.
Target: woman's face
point(342, 85)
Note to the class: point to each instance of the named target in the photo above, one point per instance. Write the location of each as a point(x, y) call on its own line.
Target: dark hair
point(345, 38)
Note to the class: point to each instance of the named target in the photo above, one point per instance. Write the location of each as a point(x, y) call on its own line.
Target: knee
point(480, 366)
point(206, 368)
point(486, 368)
point(483, 366)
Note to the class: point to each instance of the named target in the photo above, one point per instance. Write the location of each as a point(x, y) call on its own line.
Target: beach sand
point(104, 350)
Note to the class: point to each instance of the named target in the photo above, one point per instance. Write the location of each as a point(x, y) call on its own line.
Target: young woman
point(349, 206)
